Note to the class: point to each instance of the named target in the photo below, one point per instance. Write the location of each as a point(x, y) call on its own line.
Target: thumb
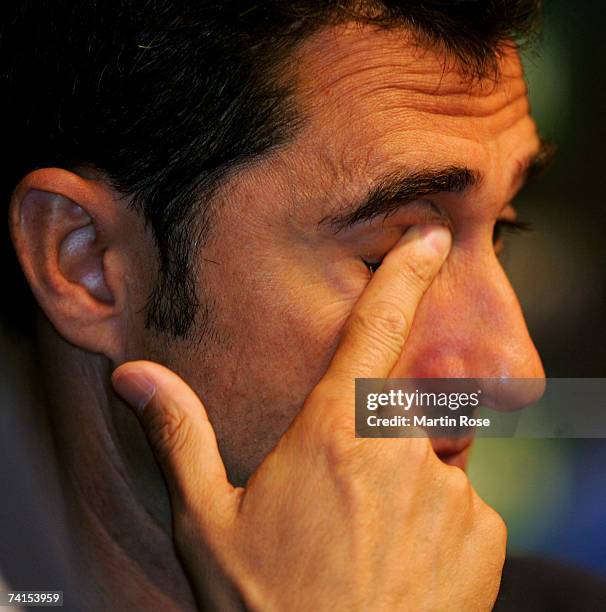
point(181, 437)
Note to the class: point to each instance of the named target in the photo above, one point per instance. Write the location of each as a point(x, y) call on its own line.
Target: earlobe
point(61, 243)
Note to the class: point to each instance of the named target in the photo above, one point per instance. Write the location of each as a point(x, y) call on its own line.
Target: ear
point(65, 229)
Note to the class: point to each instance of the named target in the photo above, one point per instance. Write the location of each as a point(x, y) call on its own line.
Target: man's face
point(281, 274)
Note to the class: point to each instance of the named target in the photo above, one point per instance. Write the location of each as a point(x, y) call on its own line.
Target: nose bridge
point(470, 325)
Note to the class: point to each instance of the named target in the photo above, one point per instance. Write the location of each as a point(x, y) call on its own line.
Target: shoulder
point(534, 584)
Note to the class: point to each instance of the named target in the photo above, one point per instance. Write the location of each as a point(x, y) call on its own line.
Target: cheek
point(312, 303)
point(283, 321)
point(339, 286)
point(314, 315)
point(270, 343)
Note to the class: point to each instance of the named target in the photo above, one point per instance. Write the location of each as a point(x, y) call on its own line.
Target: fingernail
point(135, 388)
point(437, 237)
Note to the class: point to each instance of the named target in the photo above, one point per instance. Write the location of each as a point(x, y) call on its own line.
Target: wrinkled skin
point(282, 288)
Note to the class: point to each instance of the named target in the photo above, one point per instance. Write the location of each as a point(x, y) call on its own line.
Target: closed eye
point(501, 228)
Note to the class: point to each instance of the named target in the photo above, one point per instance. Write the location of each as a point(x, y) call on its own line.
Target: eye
point(506, 226)
point(372, 266)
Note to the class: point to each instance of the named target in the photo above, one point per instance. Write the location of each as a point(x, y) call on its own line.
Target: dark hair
point(167, 97)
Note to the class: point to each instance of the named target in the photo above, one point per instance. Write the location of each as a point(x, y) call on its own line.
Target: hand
point(328, 521)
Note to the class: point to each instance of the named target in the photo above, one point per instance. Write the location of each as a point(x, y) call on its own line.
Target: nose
point(470, 325)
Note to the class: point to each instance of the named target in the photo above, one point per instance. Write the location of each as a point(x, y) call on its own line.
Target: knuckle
point(419, 271)
point(321, 408)
point(346, 461)
point(329, 430)
point(419, 453)
point(338, 438)
point(384, 323)
point(492, 525)
point(166, 431)
point(458, 482)
point(334, 438)
point(497, 526)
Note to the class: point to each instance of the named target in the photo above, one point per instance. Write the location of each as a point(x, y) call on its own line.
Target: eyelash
point(505, 226)
point(501, 227)
point(372, 265)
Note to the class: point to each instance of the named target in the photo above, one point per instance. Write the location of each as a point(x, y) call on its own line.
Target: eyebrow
point(393, 191)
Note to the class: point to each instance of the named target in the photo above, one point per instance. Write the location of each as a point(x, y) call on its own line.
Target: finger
point(377, 329)
point(180, 435)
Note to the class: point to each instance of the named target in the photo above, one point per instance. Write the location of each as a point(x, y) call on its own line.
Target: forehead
point(376, 101)
point(335, 58)
point(362, 74)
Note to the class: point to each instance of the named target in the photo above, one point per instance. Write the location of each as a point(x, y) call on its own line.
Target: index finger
point(378, 326)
